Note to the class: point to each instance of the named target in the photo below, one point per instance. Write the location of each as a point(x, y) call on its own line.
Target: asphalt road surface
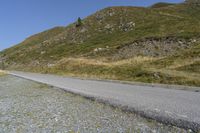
point(170, 106)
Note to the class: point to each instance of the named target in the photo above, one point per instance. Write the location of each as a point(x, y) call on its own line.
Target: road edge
point(188, 125)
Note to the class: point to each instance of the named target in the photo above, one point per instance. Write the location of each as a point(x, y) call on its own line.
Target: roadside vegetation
point(181, 68)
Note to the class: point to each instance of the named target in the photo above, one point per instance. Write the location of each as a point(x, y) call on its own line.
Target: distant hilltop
point(194, 2)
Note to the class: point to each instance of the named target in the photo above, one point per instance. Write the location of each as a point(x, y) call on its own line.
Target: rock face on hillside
point(154, 47)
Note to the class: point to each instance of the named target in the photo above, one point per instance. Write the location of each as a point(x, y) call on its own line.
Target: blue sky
point(20, 19)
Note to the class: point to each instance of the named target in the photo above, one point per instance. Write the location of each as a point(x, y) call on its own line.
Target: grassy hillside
point(154, 44)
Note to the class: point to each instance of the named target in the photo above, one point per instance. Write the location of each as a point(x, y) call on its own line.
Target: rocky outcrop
point(154, 47)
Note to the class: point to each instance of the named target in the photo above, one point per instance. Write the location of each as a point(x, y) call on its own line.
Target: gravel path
point(177, 107)
point(28, 107)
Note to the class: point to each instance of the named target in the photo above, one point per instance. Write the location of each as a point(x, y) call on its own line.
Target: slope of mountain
point(126, 43)
point(161, 5)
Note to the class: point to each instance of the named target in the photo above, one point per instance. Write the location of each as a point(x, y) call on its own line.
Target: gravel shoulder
point(169, 106)
point(27, 107)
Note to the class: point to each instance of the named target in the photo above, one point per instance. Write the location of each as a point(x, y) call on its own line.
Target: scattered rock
point(127, 26)
point(50, 65)
point(156, 75)
point(109, 28)
point(83, 30)
point(101, 49)
point(42, 52)
point(100, 17)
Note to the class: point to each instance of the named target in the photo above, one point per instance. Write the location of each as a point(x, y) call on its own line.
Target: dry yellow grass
point(188, 75)
point(102, 62)
point(180, 63)
point(2, 72)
